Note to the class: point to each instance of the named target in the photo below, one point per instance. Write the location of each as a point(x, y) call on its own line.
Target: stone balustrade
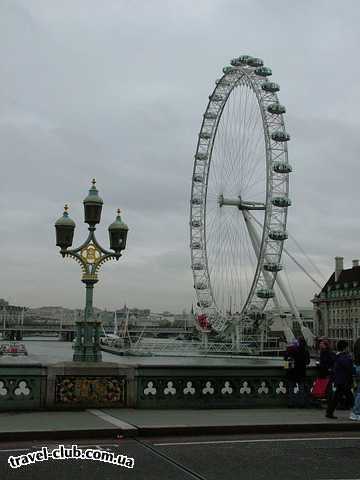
point(79, 385)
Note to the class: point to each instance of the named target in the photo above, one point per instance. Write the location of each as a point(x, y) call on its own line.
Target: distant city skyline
point(130, 307)
point(118, 94)
point(4, 301)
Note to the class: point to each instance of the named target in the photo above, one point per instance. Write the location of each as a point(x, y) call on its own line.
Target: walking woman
point(343, 379)
point(355, 412)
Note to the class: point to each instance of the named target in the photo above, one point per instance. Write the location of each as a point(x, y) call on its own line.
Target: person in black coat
point(327, 360)
point(343, 379)
point(299, 356)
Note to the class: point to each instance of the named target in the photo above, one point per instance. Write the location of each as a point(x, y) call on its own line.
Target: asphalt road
point(278, 457)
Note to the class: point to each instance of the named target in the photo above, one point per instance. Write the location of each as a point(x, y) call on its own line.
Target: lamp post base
point(87, 357)
point(87, 342)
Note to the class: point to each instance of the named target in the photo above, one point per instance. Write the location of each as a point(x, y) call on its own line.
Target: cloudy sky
point(116, 90)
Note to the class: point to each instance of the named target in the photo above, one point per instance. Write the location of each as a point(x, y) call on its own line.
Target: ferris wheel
point(240, 181)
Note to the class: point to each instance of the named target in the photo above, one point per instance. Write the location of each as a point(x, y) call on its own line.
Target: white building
point(337, 306)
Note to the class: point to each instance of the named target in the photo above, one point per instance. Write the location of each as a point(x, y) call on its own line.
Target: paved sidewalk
point(109, 423)
point(37, 425)
point(163, 422)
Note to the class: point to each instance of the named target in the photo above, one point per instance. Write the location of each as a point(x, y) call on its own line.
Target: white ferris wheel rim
point(277, 187)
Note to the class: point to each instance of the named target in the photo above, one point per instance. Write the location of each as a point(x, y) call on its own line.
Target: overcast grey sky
point(116, 90)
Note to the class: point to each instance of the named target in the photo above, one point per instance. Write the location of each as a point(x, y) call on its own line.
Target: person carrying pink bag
point(355, 412)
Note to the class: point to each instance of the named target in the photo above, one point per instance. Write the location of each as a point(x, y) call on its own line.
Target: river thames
point(50, 350)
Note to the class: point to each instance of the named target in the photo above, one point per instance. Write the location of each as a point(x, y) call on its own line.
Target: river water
point(50, 350)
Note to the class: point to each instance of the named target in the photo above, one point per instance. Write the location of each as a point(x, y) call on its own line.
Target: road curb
point(173, 430)
point(245, 429)
point(67, 434)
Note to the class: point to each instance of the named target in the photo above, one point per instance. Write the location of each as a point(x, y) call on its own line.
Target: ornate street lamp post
point(90, 255)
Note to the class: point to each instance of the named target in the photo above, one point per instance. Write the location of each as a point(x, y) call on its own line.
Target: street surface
point(231, 457)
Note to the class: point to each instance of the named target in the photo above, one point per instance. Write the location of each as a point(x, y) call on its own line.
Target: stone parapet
point(78, 385)
point(22, 387)
point(213, 387)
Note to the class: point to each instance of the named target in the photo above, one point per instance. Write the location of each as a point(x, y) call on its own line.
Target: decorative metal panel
point(73, 390)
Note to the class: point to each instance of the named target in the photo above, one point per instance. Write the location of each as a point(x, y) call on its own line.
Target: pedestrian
point(327, 359)
point(321, 387)
point(355, 412)
point(343, 379)
point(298, 356)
